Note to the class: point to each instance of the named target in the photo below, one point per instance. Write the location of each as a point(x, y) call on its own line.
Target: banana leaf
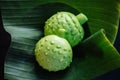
point(94, 56)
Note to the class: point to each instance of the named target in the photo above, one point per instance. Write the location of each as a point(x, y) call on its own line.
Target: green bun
point(53, 53)
point(66, 25)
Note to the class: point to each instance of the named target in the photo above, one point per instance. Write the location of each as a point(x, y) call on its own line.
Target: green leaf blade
point(24, 20)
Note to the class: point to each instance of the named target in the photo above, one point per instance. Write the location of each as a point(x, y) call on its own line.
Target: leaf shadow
point(43, 12)
point(40, 72)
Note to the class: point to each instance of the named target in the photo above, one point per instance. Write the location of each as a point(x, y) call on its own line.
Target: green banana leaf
point(94, 56)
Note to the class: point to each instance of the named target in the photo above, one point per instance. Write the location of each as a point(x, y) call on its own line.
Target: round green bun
point(66, 25)
point(53, 53)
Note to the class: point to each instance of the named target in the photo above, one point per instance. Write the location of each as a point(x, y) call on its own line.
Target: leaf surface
point(95, 56)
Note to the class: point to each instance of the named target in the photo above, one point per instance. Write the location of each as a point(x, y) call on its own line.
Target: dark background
point(4, 44)
point(5, 40)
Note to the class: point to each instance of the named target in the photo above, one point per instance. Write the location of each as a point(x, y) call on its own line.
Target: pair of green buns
point(62, 31)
